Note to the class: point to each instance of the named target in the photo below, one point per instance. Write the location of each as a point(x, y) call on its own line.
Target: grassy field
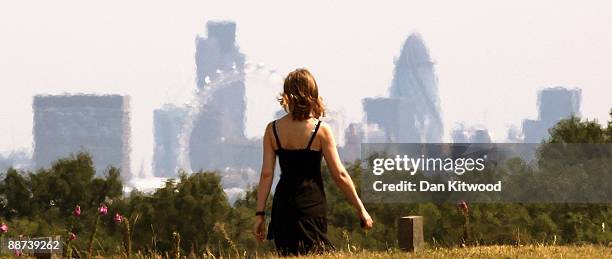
point(530, 251)
point(587, 251)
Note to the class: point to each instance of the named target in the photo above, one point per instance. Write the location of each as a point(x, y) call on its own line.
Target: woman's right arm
point(340, 175)
point(265, 182)
point(267, 169)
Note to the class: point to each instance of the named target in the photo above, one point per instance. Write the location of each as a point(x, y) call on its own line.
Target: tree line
point(191, 214)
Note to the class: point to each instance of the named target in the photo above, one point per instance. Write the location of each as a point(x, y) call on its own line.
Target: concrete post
point(410, 233)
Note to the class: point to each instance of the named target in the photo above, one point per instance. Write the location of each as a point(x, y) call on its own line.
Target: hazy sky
point(491, 57)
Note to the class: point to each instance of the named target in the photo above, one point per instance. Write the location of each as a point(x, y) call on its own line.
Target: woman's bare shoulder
point(268, 129)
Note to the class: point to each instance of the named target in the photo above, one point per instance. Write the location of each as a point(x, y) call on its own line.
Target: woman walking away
point(299, 209)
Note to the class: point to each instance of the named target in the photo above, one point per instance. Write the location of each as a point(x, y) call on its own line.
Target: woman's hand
point(366, 220)
point(259, 229)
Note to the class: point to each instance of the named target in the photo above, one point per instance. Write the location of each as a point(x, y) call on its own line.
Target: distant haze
point(491, 57)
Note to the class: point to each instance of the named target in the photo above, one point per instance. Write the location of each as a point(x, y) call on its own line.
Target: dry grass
point(529, 251)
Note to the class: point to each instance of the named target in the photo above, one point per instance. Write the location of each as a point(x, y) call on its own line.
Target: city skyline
point(154, 63)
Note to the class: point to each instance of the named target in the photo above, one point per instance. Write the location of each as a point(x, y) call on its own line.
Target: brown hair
point(300, 96)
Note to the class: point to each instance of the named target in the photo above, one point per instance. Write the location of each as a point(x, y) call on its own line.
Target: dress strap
point(276, 134)
point(314, 134)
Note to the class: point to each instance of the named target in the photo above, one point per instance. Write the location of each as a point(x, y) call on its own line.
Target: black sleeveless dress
point(299, 210)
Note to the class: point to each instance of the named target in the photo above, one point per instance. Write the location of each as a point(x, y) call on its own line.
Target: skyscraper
point(68, 124)
point(218, 52)
point(168, 124)
point(411, 113)
point(218, 140)
point(554, 104)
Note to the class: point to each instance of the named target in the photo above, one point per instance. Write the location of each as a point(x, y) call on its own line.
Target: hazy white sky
point(491, 56)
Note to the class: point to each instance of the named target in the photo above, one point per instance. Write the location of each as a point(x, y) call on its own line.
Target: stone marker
point(410, 233)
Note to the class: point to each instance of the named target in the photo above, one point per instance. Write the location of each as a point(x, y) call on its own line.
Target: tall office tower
point(98, 124)
point(218, 140)
point(411, 113)
point(168, 124)
point(554, 104)
point(218, 52)
point(216, 55)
